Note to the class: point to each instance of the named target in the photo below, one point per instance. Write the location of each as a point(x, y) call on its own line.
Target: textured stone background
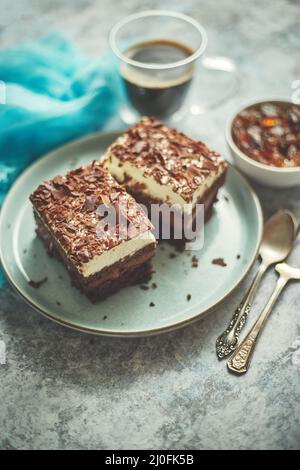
point(62, 389)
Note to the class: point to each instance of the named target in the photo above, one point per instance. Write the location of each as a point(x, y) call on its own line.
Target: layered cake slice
point(162, 165)
point(96, 229)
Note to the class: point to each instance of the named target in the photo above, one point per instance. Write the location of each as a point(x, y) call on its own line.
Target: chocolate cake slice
point(96, 229)
point(162, 165)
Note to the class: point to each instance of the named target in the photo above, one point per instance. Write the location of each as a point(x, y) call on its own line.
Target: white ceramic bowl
point(263, 174)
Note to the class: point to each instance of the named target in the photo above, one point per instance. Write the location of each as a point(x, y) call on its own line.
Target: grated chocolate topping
point(68, 206)
point(167, 155)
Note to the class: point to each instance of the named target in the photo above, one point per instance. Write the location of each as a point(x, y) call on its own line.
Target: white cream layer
point(152, 188)
point(121, 251)
point(108, 258)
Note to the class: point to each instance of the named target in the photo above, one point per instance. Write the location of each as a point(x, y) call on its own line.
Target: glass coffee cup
point(157, 51)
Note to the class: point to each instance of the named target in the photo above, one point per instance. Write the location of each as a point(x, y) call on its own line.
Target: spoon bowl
point(278, 237)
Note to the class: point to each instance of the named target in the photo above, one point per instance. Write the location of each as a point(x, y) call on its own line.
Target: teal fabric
point(53, 93)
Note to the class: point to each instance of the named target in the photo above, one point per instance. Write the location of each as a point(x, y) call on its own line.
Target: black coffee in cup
point(154, 91)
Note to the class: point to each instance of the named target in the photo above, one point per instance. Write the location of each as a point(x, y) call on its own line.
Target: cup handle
point(219, 64)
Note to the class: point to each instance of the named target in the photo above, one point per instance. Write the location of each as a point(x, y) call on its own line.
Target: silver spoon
point(240, 360)
point(277, 242)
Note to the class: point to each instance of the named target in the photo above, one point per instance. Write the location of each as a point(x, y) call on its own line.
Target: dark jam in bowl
point(269, 133)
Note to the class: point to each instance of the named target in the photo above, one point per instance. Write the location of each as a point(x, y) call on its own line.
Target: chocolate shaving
point(37, 284)
point(48, 186)
point(58, 180)
point(90, 178)
point(219, 262)
point(138, 146)
point(196, 171)
point(58, 194)
point(90, 203)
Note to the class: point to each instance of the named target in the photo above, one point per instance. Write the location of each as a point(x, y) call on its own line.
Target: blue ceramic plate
point(234, 230)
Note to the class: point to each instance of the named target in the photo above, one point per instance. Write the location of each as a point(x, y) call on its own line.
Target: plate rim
point(124, 334)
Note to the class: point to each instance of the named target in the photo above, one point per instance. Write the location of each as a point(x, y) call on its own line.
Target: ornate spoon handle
point(240, 360)
point(228, 341)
